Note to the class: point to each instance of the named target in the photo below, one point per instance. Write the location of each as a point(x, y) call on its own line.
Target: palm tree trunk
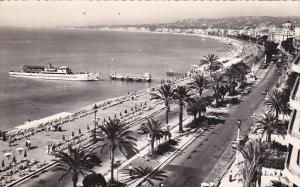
point(269, 137)
point(75, 179)
point(195, 116)
point(167, 114)
point(112, 164)
point(180, 117)
point(152, 145)
point(277, 114)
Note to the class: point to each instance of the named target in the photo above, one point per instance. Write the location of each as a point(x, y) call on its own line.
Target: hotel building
point(292, 165)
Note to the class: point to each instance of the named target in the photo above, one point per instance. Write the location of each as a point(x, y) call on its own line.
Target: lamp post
point(238, 123)
point(95, 122)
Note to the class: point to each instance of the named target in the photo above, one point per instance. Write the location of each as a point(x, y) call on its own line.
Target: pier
point(131, 77)
point(175, 74)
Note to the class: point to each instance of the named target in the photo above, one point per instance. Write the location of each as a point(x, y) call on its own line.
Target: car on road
point(263, 66)
point(141, 131)
point(265, 91)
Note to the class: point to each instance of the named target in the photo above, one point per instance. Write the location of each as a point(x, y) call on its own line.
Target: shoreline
point(234, 52)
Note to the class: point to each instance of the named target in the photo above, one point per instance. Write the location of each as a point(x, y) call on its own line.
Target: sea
point(87, 51)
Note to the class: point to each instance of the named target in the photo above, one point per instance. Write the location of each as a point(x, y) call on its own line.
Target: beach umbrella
point(3, 164)
point(8, 155)
point(20, 150)
point(25, 153)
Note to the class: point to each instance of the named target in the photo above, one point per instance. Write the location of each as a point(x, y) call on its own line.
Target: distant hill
point(228, 22)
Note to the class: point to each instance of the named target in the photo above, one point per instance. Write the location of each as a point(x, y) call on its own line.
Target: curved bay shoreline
point(231, 56)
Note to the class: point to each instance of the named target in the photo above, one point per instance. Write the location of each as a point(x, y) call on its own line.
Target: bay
point(92, 51)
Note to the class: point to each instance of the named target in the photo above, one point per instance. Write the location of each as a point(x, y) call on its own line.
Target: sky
point(81, 13)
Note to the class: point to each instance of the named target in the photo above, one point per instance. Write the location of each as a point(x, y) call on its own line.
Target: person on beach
point(130, 169)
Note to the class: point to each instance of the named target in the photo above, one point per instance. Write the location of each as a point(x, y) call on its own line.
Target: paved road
point(198, 160)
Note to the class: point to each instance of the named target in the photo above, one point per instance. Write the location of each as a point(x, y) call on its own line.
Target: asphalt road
point(196, 162)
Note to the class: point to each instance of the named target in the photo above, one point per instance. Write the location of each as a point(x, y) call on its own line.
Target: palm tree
point(253, 154)
point(199, 83)
point(270, 125)
point(216, 81)
point(196, 106)
point(75, 162)
point(147, 173)
point(165, 93)
point(212, 61)
point(277, 102)
point(116, 135)
point(153, 128)
point(181, 95)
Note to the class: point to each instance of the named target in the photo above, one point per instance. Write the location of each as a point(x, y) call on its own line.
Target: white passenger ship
point(53, 73)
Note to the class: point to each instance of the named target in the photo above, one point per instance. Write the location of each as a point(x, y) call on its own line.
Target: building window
point(290, 149)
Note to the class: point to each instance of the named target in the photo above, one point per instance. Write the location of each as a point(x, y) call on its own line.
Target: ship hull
point(68, 77)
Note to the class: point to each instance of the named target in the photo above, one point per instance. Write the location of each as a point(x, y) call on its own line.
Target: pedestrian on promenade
point(230, 176)
point(28, 143)
point(130, 169)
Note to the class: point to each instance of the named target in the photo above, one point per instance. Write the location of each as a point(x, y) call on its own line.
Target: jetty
point(175, 74)
point(131, 77)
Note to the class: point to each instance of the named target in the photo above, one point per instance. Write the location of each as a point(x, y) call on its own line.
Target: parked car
point(265, 91)
point(140, 131)
point(263, 66)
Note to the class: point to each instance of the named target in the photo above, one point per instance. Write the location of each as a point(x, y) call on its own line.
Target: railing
point(294, 171)
point(295, 89)
point(293, 134)
point(296, 59)
point(292, 120)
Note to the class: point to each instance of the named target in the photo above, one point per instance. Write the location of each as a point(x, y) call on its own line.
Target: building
point(284, 32)
point(292, 165)
point(297, 38)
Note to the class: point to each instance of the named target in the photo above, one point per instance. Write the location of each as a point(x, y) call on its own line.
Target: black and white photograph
point(149, 93)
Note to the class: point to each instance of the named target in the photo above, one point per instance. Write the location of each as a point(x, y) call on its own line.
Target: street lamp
point(238, 123)
point(95, 122)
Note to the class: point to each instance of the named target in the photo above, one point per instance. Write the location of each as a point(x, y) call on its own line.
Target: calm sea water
point(86, 50)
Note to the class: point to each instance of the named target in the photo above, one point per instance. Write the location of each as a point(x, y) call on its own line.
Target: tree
point(75, 162)
point(216, 81)
point(237, 73)
point(147, 173)
point(270, 125)
point(270, 49)
point(94, 180)
point(165, 93)
point(199, 83)
point(277, 102)
point(116, 135)
point(288, 45)
point(253, 153)
point(212, 61)
point(182, 96)
point(196, 106)
point(153, 128)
